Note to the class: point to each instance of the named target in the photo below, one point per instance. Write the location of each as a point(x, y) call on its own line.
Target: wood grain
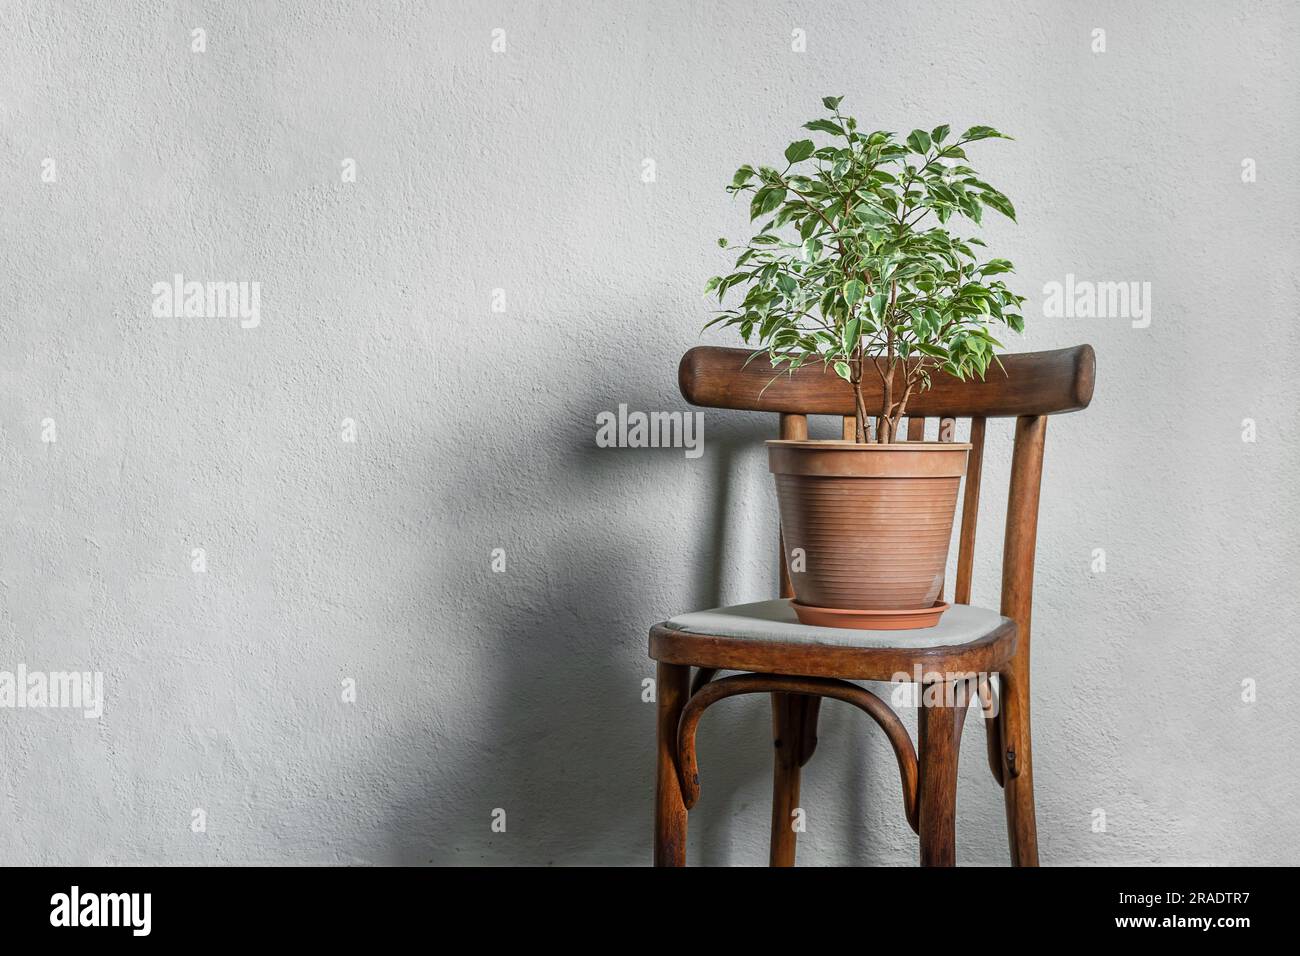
point(937, 740)
point(672, 685)
point(1034, 383)
point(988, 654)
point(970, 508)
point(1017, 604)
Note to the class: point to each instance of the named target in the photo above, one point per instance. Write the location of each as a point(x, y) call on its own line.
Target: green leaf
point(827, 302)
point(851, 333)
point(854, 290)
point(798, 151)
point(722, 242)
point(939, 133)
point(879, 305)
point(743, 175)
point(765, 200)
point(995, 267)
point(983, 132)
point(831, 102)
point(999, 202)
point(824, 126)
point(842, 370)
point(918, 141)
point(791, 210)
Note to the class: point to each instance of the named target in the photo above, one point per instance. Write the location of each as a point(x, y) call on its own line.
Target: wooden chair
point(797, 667)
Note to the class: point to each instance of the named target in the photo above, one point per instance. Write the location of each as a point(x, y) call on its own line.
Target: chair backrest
point(1034, 386)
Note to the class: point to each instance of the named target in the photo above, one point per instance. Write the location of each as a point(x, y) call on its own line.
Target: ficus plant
point(855, 267)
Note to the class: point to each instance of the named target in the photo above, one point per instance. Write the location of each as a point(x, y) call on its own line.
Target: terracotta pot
point(874, 521)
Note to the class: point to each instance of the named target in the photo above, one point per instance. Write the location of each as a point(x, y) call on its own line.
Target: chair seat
point(776, 621)
point(766, 636)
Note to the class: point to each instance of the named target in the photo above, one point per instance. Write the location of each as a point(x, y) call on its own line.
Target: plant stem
point(888, 422)
point(884, 433)
point(860, 429)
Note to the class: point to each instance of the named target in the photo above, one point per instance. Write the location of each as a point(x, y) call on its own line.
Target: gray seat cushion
point(775, 621)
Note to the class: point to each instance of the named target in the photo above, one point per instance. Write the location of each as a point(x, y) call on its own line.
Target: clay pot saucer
point(888, 620)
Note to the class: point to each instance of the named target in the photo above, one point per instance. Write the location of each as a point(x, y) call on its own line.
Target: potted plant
point(855, 269)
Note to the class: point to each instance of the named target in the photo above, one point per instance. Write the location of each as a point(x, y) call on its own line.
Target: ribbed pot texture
point(874, 521)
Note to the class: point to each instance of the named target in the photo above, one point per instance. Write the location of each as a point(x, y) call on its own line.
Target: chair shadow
point(559, 736)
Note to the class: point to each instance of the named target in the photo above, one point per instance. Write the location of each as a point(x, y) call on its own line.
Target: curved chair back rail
point(1029, 383)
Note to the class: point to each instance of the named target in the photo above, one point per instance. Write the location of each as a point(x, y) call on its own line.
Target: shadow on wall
point(558, 735)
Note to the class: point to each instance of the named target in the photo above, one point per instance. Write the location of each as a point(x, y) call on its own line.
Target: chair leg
point(672, 687)
point(937, 743)
point(790, 733)
point(1018, 772)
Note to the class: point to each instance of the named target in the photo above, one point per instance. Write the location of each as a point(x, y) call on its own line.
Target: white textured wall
point(522, 171)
